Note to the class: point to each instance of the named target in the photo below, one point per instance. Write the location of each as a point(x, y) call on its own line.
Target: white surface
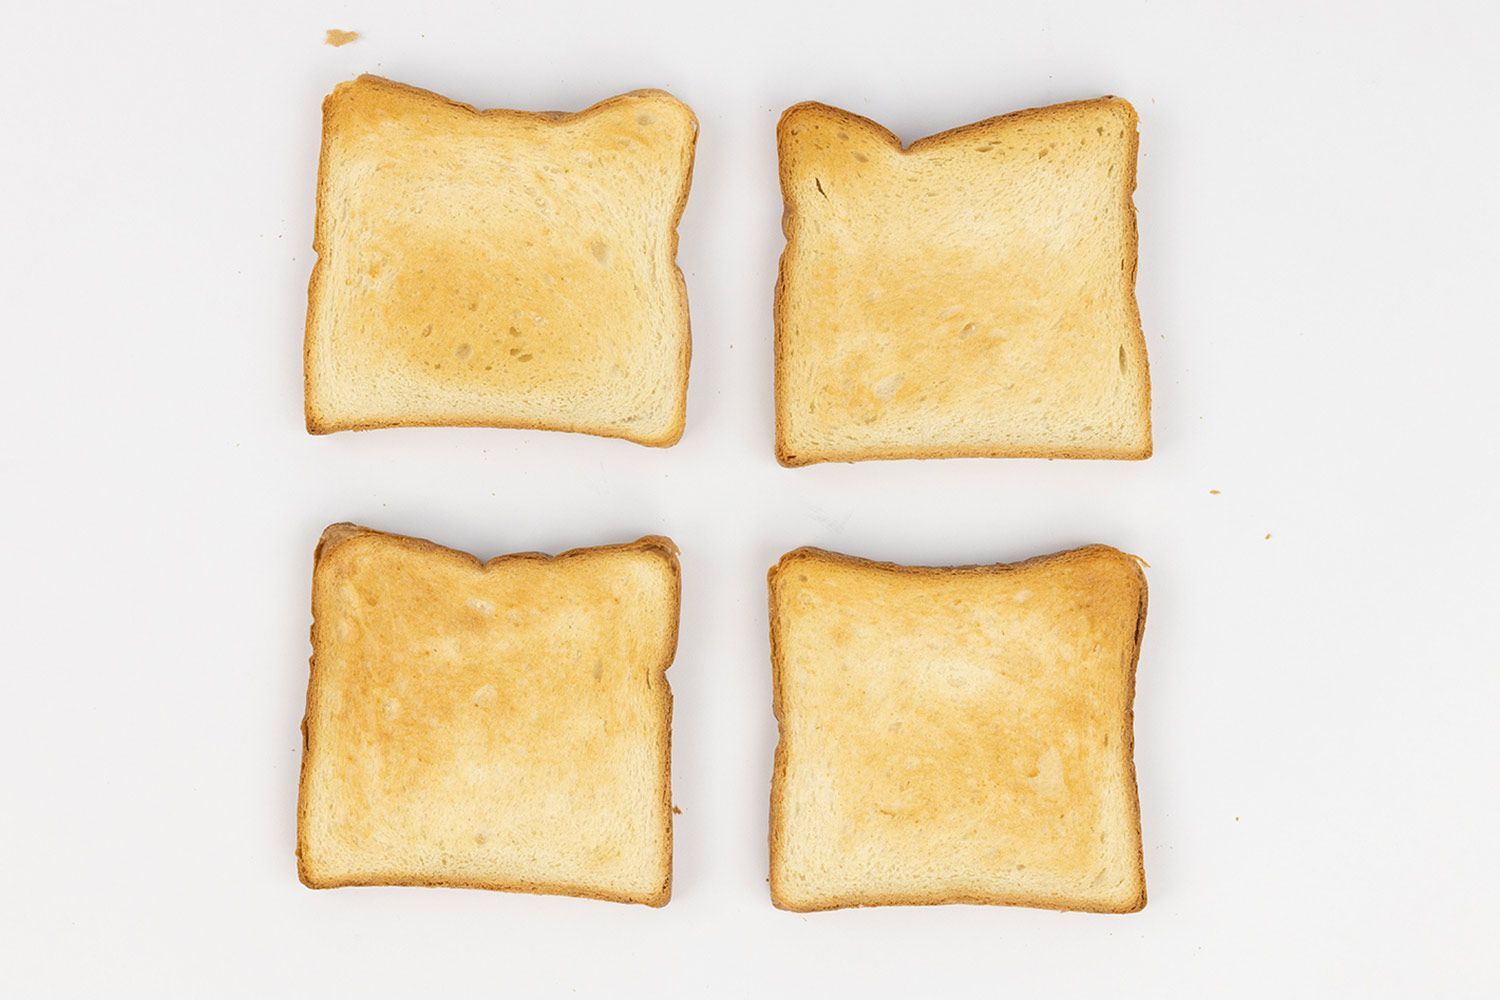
point(1315, 719)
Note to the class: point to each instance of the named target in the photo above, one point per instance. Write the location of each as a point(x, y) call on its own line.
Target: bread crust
point(319, 424)
point(336, 535)
point(779, 897)
point(784, 454)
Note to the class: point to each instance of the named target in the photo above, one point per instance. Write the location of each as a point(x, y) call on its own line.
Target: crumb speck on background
point(1268, 536)
point(1213, 493)
point(336, 37)
point(676, 811)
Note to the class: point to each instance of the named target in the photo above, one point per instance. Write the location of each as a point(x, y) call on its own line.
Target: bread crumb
point(336, 37)
point(1213, 493)
point(1268, 536)
point(676, 811)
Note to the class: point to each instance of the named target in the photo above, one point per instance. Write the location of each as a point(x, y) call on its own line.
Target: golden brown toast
point(500, 725)
point(956, 735)
point(972, 294)
point(499, 268)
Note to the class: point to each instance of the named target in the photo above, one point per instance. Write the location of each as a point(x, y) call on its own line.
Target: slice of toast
point(499, 268)
point(500, 725)
point(970, 295)
point(956, 735)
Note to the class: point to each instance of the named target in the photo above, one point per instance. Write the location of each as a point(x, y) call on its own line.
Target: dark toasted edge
point(778, 760)
point(786, 456)
point(315, 423)
point(1129, 743)
point(1069, 905)
point(336, 535)
point(998, 568)
point(655, 900)
point(778, 771)
point(667, 550)
point(318, 424)
point(565, 427)
point(794, 461)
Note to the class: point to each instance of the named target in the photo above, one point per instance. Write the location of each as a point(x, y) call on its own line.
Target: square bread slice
point(970, 295)
point(500, 725)
point(499, 268)
point(956, 735)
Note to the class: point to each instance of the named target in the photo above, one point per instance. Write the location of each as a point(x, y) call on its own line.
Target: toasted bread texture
point(970, 295)
point(500, 725)
point(499, 268)
point(959, 735)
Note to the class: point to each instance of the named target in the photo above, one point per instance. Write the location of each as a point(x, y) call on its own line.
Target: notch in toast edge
point(971, 295)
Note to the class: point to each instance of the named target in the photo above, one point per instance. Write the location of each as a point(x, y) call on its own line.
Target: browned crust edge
point(778, 771)
point(789, 231)
point(317, 425)
point(336, 535)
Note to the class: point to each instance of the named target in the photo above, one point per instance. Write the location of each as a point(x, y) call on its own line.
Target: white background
point(1315, 722)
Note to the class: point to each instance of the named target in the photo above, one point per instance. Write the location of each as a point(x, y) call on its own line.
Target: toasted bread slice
point(500, 725)
point(971, 295)
point(499, 268)
point(956, 735)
